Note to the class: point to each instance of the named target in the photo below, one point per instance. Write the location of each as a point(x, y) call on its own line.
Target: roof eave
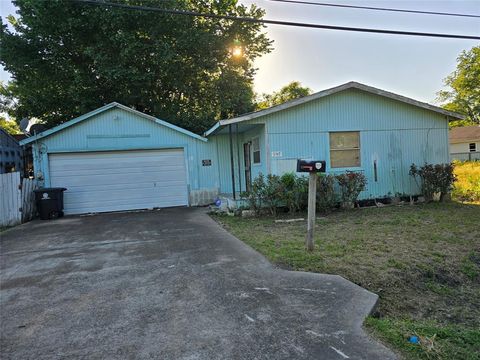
point(323, 93)
point(213, 129)
point(67, 124)
point(76, 120)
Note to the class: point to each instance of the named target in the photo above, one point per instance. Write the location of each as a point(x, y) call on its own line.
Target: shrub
point(256, 195)
point(326, 198)
point(266, 192)
point(289, 195)
point(438, 178)
point(273, 193)
point(351, 185)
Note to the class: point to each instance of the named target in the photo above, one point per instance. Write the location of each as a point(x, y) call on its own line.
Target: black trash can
point(49, 202)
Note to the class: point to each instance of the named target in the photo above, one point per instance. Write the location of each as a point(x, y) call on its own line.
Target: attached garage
point(116, 158)
point(120, 180)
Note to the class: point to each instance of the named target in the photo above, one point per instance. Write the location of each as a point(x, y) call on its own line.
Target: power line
point(375, 8)
point(273, 22)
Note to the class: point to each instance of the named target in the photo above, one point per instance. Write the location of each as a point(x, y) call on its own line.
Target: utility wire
point(272, 22)
point(375, 8)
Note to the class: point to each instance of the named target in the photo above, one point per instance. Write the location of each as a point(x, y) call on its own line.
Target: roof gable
point(328, 92)
point(112, 105)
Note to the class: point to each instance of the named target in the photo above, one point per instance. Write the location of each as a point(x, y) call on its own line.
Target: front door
point(248, 166)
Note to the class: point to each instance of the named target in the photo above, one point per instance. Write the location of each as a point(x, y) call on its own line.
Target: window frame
point(474, 147)
point(345, 149)
point(256, 151)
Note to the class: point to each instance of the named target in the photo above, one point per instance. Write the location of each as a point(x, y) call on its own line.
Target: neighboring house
point(465, 143)
point(116, 158)
point(11, 153)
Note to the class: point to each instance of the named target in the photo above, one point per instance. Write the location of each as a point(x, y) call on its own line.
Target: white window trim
point(259, 151)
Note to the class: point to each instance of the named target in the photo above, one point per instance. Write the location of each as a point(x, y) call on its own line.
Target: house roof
point(327, 92)
point(7, 134)
point(19, 137)
point(86, 116)
point(464, 134)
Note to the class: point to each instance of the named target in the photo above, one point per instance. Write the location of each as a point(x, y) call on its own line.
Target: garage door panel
point(117, 195)
point(127, 179)
point(118, 169)
point(120, 180)
point(133, 155)
point(127, 201)
point(121, 186)
point(113, 163)
point(117, 207)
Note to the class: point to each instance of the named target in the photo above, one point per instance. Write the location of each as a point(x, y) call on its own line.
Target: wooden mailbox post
point(312, 167)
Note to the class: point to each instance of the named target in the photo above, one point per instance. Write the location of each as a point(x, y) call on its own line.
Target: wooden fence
point(17, 200)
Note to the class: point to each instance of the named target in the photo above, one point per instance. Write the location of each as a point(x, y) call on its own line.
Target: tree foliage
point(9, 126)
point(463, 95)
point(67, 58)
point(291, 91)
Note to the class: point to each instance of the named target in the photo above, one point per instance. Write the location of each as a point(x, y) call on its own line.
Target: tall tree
point(9, 126)
point(464, 83)
point(292, 90)
point(67, 58)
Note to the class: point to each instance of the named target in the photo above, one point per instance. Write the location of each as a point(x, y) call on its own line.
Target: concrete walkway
point(168, 284)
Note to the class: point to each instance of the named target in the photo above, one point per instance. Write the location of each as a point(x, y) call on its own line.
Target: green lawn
point(423, 261)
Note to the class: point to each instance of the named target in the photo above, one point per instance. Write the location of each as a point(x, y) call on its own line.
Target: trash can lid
point(52, 189)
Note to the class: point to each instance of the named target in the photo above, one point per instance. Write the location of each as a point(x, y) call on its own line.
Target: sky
point(320, 59)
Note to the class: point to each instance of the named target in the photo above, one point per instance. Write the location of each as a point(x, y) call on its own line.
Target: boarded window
point(345, 149)
point(256, 151)
point(472, 147)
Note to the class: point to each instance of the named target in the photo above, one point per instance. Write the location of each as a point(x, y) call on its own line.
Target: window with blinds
point(345, 149)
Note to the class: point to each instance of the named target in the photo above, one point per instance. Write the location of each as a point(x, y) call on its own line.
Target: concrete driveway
point(168, 284)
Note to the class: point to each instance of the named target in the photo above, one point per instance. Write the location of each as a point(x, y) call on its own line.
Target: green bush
point(438, 178)
point(294, 191)
point(256, 195)
point(351, 185)
point(326, 197)
point(273, 194)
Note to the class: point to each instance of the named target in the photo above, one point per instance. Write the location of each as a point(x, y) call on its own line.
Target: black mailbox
point(311, 166)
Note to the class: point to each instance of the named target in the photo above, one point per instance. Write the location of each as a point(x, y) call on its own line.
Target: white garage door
point(120, 180)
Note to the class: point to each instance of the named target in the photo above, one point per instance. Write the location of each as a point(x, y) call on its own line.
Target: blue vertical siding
point(117, 129)
point(393, 133)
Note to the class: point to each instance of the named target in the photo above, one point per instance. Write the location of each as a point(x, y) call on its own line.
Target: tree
point(9, 126)
point(293, 90)
point(464, 84)
point(67, 58)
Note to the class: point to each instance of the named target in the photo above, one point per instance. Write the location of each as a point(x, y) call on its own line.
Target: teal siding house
point(116, 158)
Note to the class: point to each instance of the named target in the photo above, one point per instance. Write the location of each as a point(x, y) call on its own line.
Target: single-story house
point(116, 158)
point(465, 143)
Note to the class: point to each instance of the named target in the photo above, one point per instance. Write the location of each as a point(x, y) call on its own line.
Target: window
point(345, 149)
point(472, 147)
point(256, 151)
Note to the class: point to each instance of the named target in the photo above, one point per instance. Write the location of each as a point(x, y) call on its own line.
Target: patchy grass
point(436, 342)
point(423, 261)
point(467, 186)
